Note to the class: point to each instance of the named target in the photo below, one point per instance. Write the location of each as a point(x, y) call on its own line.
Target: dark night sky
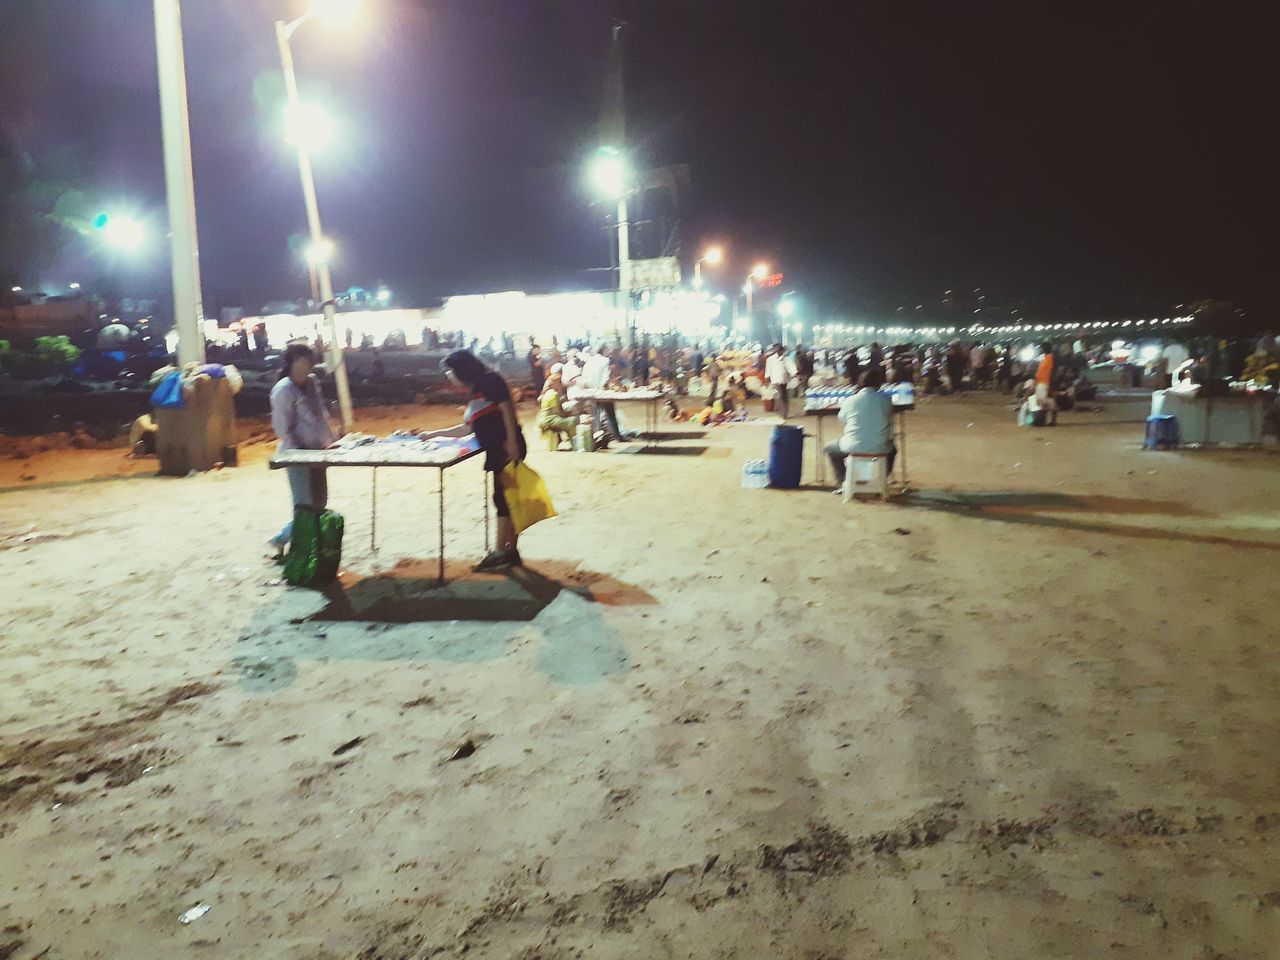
point(879, 155)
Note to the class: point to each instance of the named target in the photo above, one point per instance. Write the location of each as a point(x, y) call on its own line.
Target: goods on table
point(830, 398)
point(406, 448)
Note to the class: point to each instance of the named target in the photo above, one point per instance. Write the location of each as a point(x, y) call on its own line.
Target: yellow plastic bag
point(526, 494)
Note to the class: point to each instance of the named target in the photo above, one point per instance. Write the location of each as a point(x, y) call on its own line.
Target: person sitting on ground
point(551, 413)
point(868, 425)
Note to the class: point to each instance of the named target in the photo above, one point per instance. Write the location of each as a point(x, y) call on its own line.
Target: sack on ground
point(315, 547)
point(526, 494)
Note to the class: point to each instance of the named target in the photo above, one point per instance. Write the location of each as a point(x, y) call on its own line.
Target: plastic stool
point(1162, 432)
point(879, 461)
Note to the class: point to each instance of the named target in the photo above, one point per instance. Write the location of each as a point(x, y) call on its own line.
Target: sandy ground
point(1030, 711)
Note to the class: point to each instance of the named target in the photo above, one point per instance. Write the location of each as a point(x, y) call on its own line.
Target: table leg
point(441, 526)
point(485, 506)
point(373, 514)
point(820, 465)
point(902, 448)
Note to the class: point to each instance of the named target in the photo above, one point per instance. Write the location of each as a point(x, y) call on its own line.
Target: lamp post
point(321, 247)
point(713, 256)
point(758, 273)
point(188, 312)
point(612, 179)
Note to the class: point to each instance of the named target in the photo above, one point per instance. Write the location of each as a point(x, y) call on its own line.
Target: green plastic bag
point(315, 548)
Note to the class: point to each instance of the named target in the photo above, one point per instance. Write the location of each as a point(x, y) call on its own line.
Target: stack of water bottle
point(830, 398)
point(826, 398)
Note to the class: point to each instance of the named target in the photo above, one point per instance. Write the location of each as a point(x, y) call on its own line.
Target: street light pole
point(188, 312)
point(336, 359)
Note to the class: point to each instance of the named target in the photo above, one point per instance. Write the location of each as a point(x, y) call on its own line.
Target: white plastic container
point(755, 475)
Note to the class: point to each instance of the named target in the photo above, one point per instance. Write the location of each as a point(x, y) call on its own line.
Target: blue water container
point(786, 456)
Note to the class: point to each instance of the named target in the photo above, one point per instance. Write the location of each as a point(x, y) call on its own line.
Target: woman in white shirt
point(868, 424)
point(300, 421)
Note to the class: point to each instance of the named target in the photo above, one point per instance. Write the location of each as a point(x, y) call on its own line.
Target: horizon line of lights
point(1084, 327)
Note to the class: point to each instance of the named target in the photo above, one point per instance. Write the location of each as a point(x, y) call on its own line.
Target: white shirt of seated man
point(868, 422)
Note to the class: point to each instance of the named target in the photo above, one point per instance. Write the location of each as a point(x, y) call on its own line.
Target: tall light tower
point(188, 310)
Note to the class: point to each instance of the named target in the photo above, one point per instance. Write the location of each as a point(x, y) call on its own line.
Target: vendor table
point(375, 455)
point(649, 398)
point(899, 439)
point(1231, 421)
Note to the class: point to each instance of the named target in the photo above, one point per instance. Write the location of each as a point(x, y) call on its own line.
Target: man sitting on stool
point(868, 425)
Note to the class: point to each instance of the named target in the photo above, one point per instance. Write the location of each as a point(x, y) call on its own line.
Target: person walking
point(804, 370)
point(537, 369)
point(491, 416)
point(299, 419)
point(778, 371)
point(852, 367)
point(713, 371)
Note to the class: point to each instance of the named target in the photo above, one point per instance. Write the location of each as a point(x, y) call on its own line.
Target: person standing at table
point(596, 373)
point(491, 416)
point(299, 419)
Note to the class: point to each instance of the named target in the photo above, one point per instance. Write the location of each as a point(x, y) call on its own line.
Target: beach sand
point(1028, 711)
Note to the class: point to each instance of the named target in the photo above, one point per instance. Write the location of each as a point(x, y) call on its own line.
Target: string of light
point(1086, 327)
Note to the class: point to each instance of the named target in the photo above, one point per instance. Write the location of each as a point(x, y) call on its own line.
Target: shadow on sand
point(1026, 507)
point(403, 614)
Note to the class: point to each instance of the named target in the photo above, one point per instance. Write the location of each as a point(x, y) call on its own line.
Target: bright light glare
point(16, 289)
point(321, 251)
point(609, 173)
point(339, 13)
point(384, 295)
point(1027, 354)
point(787, 308)
point(73, 286)
point(1149, 353)
point(308, 126)
point(123, 233)
point(760, 271)
point(713, 255)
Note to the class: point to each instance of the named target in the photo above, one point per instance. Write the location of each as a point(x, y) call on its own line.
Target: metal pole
point(442, 524)
point(624, 267)
point(336, 359)
point(188, 313)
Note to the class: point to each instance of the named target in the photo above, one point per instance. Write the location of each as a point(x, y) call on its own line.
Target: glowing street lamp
point(306, 129)
point(713, 256)
point(308, 126)
point(320, 252)
point(122, 233)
